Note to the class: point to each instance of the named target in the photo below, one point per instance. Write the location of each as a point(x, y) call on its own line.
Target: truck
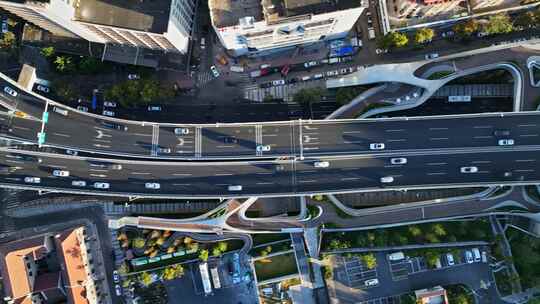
point(205, 277)
point(396, 256)
point(459, 98)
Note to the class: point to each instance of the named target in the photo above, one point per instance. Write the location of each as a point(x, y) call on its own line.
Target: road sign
point(45, 117)
point(41, 138)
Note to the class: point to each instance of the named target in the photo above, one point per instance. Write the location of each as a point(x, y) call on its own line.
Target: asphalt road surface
point(272, 178)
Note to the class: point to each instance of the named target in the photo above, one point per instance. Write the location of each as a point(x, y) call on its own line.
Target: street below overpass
point(272, 178)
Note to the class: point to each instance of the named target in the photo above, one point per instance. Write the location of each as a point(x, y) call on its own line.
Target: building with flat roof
point(155, 25)
point(433, 295)
point(259, 27)
point(52, 268)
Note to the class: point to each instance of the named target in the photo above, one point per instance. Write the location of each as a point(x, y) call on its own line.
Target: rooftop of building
point(225, 13)
point(148, 16)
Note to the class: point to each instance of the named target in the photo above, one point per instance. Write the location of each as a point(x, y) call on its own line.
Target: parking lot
point(385, 300)
point(402, 269)
point(357, 273)
point(406, 13)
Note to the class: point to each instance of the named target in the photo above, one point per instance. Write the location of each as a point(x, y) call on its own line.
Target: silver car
point(181, 131)
point(32, 180)
point(398, 161)
point(60, 173)
point(10, 91)
point(101, 185)
point(376, 146)
point(154, 186)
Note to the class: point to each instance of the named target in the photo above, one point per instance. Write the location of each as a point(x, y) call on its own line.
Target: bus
point(203, 268)
point(215, 278)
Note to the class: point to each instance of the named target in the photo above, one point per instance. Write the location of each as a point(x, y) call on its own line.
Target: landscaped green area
point(283, 245)
point(440, 232)
point(491, 76)
point(264, 238)
point(276, 266)
point(526, 257)
point(440, 74)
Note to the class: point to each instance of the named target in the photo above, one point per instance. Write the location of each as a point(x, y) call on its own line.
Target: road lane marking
point(348, 169)
point(396, 140)
point(223, 147)
point(308, 181)
point(483, 127)
point(528, 135)
point(182, 174)
point(527, 125)
point(437, 129)
point(265, 173)
point(98, 170)
point(22, 128)
point(102, 140)
point(265, 183)
point(438, 138)
point(14, 161)
point(352, 132)
point(101, 146)
point(436, 164)
point(394, 130)
point(181, 184)
point(141, 134)
point(56, 166)
point(437, 173)
point(98, 175)
point(62, 135)
point(485, 136)
point(350, 178)
point(223, 174)
point(524, 170)
point(307, 171)
point(524, 160)
point(481, 162)
point(353, 142)
point(311, 148)
point(140, 173)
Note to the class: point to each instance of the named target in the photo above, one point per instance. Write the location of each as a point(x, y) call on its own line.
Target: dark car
point(106, 165)
point(230, 140)
point(25, 157)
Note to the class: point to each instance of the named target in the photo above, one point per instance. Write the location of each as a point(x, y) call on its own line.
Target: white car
point(381, 51)
point(506, 142)
point(469, 257)
point(263, 148)
point(376, 146)
point(469, 169)
point(78, 183)
point(118, 290)
point(133, 77)
point(100, 185)
point(32, 180)
point(321, 164)
point(371, 282)
point(432, 56)
point(116, 276)
point(60, 173)
point(318, 76)
point(10, 91)
point(108, 113)
point(72, 152)
point(214, 70)
point(154, 108)
point(235, 188)
point(398, 161)
point(450, 259)
point(181, 131)
point(387, 179)
point(164, 150)
point(154, 186)
point(110, 104)
point(310, 64)
point(332, 73)
point(43, 89)
point(278, 82)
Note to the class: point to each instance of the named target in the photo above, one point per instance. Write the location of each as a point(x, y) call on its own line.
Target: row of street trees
point(495, 24)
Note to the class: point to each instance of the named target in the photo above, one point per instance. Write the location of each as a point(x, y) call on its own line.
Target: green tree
point(65, 89)
point(415, 231)
point(432, 257)
point(431, 238)
point(308, 96)
point(123, 269)
point(8, 41)
point(223, 246)
point(466, 29)
point(173, 272)
point(145, 278)
point(48, 51)
point(499, 24)
point(216, 252)
point(63, 64)
point(12, 22)
point(150, 91)
point(525, 20)
point(438, 230)
point(424, 35)
point(369, 260)
point(203, 255)
point(90, 65)
point(138, 243)
point(393, 39)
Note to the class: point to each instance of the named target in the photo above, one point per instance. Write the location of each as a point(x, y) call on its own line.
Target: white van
point(396, 256)
point(60, 111)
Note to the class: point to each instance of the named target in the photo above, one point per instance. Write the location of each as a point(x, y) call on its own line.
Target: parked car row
point(321, 75)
